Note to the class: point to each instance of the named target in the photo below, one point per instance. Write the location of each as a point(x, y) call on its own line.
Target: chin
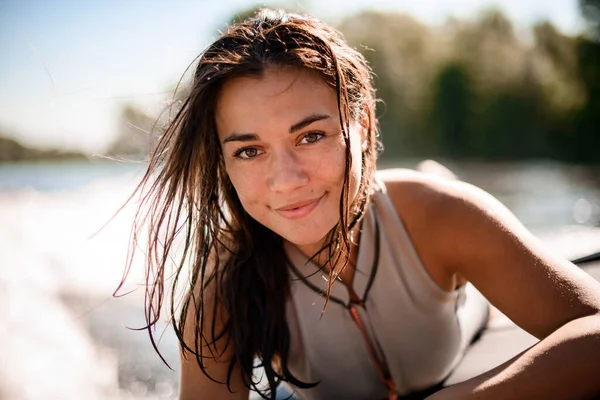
point(314, 238)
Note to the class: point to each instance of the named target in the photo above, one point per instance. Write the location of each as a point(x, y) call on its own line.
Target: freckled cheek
point(330, 165)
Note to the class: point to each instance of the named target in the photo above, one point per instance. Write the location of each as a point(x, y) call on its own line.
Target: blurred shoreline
point(12, 150)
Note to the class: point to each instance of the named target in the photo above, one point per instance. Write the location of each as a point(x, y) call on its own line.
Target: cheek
point(247, 185)
point(330, 169)
point(331, 164)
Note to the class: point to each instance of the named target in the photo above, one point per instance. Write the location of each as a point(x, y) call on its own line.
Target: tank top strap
point(395, 234)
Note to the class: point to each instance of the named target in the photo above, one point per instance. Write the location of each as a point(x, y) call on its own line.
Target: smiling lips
point(299, 209)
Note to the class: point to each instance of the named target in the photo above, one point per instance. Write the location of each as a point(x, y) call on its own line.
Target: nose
point(286, 171)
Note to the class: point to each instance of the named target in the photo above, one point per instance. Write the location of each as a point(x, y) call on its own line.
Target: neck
point(346, 275)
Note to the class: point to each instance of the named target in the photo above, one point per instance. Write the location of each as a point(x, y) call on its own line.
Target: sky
point(68, 66)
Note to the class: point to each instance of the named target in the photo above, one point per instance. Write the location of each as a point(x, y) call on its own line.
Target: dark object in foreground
point(587, 259)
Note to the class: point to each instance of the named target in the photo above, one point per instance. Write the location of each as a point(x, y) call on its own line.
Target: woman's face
point(285, 153)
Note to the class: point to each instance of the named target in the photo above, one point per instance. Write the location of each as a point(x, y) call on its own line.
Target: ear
point(364, 131)
point(365, 143)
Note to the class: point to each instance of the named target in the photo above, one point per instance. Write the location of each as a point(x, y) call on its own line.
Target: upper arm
point(194, 383)
point(460, 230)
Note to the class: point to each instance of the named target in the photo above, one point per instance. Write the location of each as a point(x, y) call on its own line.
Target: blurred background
point(505, 93)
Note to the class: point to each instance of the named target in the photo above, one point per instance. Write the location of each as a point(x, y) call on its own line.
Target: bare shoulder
point(451, 222)
point(428, 204)
point(454, 218)
point(430, 196)
point(424, 197)
point(412, 187)
point(462, 233)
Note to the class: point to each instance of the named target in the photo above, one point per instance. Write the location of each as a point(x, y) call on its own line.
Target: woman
point(268, 170)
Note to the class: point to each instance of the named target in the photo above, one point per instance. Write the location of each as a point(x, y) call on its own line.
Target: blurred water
point(51, 176)
point(542, 195)
point(62, 335)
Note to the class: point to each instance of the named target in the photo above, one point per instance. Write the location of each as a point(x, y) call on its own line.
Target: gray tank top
point(421, 330)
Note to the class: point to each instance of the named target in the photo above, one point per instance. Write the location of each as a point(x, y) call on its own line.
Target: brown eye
point(247, 153)
point(312, 137)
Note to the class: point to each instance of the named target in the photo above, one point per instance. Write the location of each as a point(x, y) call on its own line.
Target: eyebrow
point(241, 137)
point(307, 121)
point(248, 137)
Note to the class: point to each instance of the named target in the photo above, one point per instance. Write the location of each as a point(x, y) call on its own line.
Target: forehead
point(280, 97)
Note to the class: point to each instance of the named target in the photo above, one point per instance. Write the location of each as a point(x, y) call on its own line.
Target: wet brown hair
point(188, 198)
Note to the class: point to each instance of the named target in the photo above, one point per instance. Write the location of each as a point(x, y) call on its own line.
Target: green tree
point(405, 56)
point(452, 109)
point(586, 145)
